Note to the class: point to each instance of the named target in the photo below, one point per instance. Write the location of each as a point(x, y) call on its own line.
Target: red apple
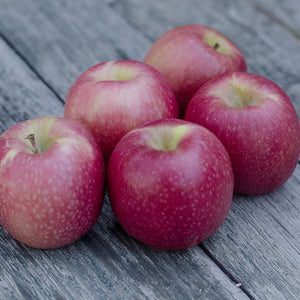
point(51, 181)
point(112, 98)
point(190, 55)
point(258, 125)
point(170, 183)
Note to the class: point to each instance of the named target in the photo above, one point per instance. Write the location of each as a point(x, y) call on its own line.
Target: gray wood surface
point(286, 15)
point(44, 47)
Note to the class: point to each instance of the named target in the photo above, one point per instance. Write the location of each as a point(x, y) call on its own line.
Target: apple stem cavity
point(216, 46)
point(31, 138)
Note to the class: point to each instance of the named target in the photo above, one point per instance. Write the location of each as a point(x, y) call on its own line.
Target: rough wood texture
point(106, 264)
point(261, 240)
point(286, 14)
point(65, 38)
point(258, 245)
point(22, 94)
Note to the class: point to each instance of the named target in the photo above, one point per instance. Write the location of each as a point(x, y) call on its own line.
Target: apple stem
point(216, 46)
point(31, 138)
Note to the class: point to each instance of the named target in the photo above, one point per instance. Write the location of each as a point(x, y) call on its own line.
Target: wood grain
point(68, 37)
point(106, 264)
point(258, 245)
point(22, 94)
point(261, 240)
point(285, 13)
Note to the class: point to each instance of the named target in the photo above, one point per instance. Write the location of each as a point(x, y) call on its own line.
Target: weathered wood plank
point(285, 13)
point(22, 95)
point(261, 240)
point(63, 39)
point(106, 263)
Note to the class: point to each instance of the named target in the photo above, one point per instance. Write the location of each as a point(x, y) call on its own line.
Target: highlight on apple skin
point(258, 125)
point(112, 98)
point(52, 178)
point(170, 184)
point(190, 55)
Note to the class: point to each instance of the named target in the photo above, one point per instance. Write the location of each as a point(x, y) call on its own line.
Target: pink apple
point(170, 183)
point(258, 125)
point(190, 55)
point(51, 181)
point(112, 98)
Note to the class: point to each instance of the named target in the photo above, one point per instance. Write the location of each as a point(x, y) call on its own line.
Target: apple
point(51, 181)
point(170, 183)
point(189, 55)
point(113, 98)
point(258, 125)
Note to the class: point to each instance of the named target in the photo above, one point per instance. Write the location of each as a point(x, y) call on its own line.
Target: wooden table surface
point(44, 46)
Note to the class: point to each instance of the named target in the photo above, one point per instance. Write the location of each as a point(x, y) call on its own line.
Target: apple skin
point(113, 98)
point(186, 57)
point(170, 199)
point(50, 199)
point(262, 137)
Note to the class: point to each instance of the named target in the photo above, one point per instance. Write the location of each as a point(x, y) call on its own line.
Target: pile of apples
point(170, 181)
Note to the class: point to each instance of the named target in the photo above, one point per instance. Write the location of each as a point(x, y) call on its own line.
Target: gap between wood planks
point(277, 20)
point(30, 66)
point(236, 281)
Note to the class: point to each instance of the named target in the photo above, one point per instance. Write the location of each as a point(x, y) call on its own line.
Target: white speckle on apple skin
point(170, 199)
point(50, 199)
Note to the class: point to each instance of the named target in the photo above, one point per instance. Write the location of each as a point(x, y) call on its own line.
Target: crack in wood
point(25, 60)
point(236, 281)
point(277, 20)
